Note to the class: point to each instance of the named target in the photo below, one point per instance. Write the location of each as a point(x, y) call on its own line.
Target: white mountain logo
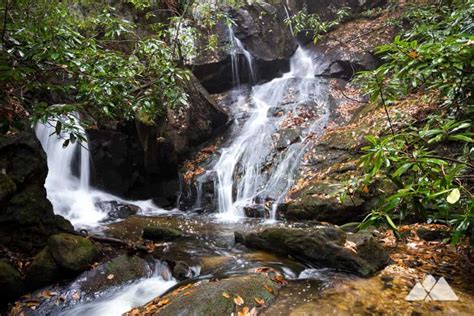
point(432, 290)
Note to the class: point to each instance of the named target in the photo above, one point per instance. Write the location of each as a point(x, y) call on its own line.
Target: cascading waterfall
point(240, 181)
point(71, 195)
point(236, 48)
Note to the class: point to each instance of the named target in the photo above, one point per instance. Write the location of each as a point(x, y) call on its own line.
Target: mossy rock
point(123, 269)
point(323, 246)
point(43, 270)
point(215, 297)
point(160, 233)
point(72, 252)
point(11, 283)
point(7, 187)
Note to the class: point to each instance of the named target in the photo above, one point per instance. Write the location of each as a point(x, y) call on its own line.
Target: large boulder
point(43, 270)
point(351, 46)
point(64, 256)
point(118, 271)
point(159, 233)
point(140, 161)
point(74, 253)
point(220, 297)
point(11, 283)
point(26, 216)
point(325, 246)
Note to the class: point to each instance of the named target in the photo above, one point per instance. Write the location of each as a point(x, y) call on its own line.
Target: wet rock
point(256, 211)
point(261, 29)
point(74, 253)
point(11, 283)
point(181, 270)
point(276, 111)
point(431, 235)
point(286, 137)
point(26, 216)
point(324, 246)
point(117, 271)
point(160, 233)
point(118, 210)
point(43, 270)
point(216, 297)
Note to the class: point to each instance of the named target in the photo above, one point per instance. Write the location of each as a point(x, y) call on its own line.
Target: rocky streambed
point(198, 265)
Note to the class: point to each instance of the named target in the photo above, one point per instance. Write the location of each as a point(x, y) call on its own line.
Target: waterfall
point(240, 181)
point(121, 299)
point(71, 195)
point(236, 48)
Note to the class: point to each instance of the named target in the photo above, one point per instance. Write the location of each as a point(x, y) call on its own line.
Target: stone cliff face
point(261, 29)
point(140, 161)
point(26, 216)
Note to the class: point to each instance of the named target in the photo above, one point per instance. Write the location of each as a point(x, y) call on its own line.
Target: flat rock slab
point(251, 292)
point(325, 246)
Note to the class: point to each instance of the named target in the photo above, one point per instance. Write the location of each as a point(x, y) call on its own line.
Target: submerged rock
point(11, 283)
point(160, 233)
point(74, 253)
point(325, 246)
point(118, 210)
point(217, 297)
point(117, 271)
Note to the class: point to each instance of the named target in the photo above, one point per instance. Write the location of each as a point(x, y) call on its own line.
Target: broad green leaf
point(454, 196)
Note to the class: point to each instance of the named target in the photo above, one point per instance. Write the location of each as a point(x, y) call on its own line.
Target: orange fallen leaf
point(226, 295)
point(259, 301)
point(238, 300)
point(269, 289)
point(163, 302)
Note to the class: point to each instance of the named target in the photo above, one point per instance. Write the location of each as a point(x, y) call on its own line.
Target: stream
point(240, 181)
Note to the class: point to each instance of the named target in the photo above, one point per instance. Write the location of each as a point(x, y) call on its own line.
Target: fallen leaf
point(259, 301)
point(163, 302)
point(238, 300)
point(110, 277)
point(226, 295)
point(269, 289)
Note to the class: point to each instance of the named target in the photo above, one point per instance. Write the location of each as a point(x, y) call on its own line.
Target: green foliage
point(430, 164)
point(95, 64)
point(303, 22)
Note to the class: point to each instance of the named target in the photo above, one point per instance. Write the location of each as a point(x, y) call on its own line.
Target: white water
point(72, 196)
point(239, 176)
point(236, 48)
point(124, 299)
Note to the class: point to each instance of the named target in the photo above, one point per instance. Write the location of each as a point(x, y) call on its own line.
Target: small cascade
point(121, 300)
point(236, 49)
point(71, 195)
point(240, 180)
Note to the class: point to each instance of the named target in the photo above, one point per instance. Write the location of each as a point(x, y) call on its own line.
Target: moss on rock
point(72, 252)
